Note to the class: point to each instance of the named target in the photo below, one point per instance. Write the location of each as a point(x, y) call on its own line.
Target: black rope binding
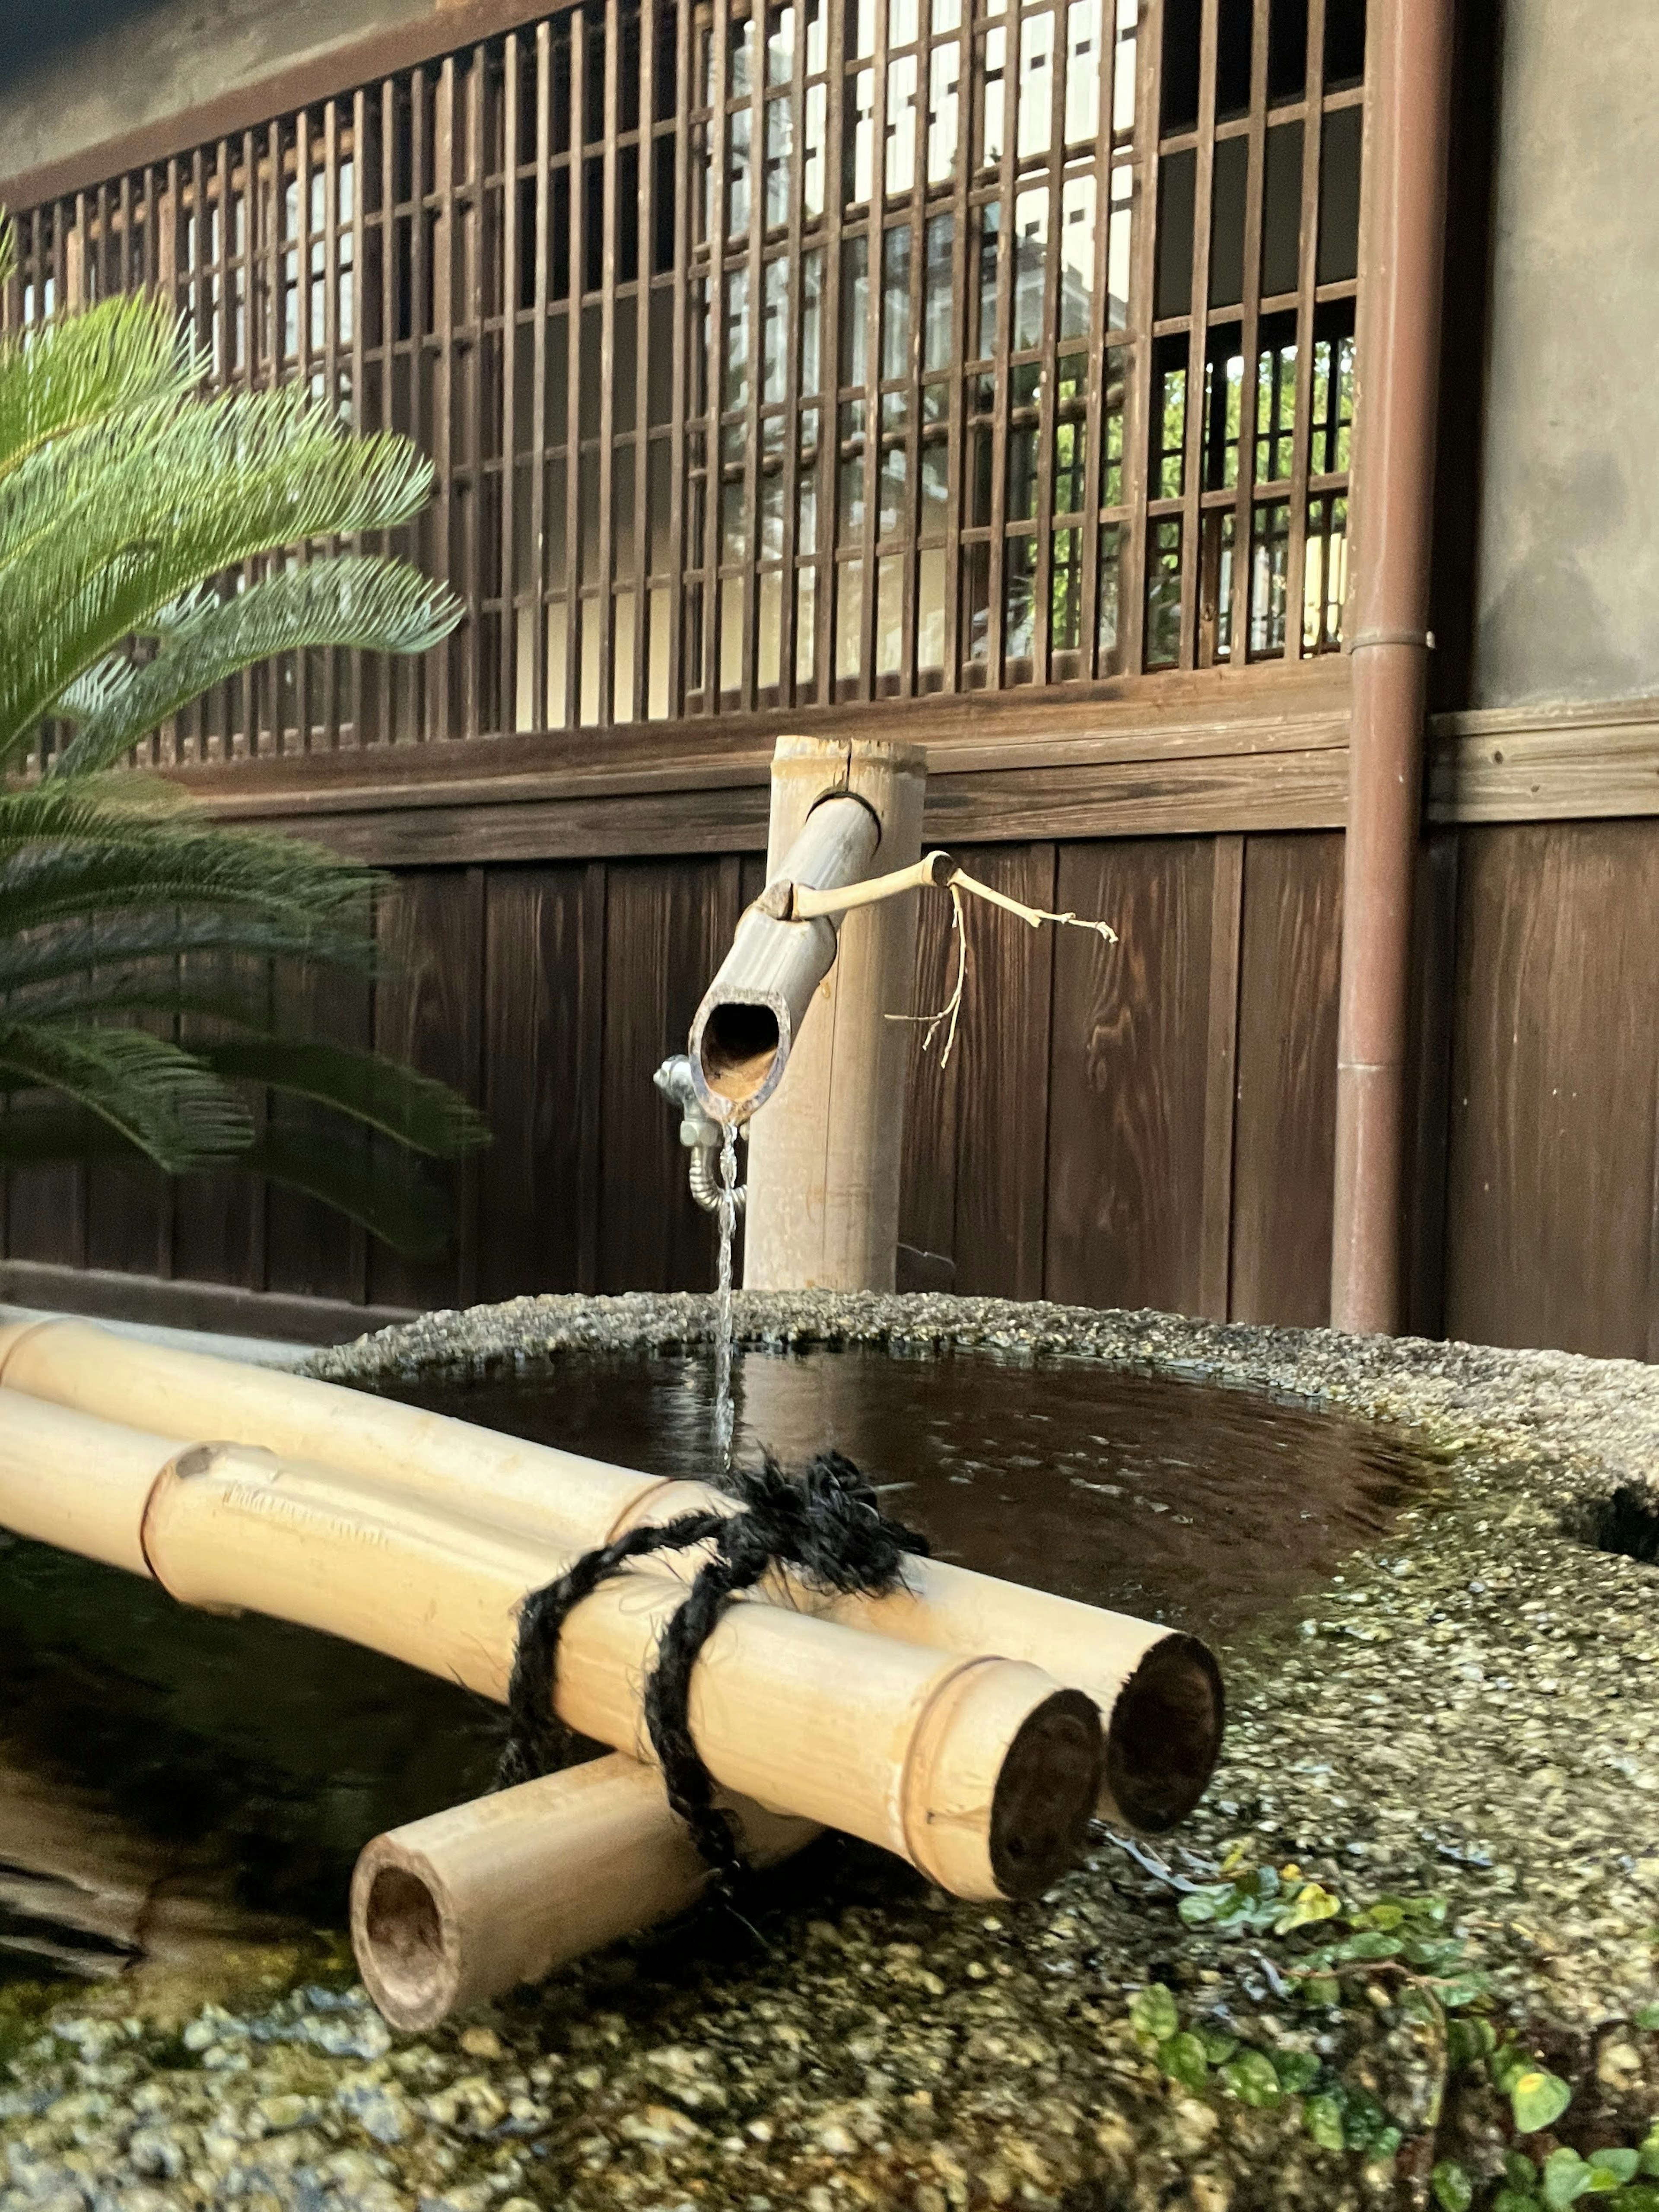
point(825, 1524)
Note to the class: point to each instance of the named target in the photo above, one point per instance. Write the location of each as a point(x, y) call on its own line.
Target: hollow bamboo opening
point(739, 1046)
point(403, 1932)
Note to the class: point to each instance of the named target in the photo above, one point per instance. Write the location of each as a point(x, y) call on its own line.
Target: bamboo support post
point(1160, 1693)
point(981, 1772)
point(453, 1910)
point(824, 1155)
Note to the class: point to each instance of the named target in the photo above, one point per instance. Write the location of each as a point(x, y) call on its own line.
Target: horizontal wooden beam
point(322, 74)
point(1293, 790)
point(1551, 764)
point(101, 1294)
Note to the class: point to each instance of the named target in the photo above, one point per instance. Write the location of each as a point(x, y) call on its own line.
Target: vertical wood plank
point(1554, 1091)
point(542, 967)
point(1434, 964)
point(1285, 1135)
point(219, 1221)
point(1002, 1093)
point(426, 1011)
point(1128, 1083)
point(927, 1182)
point(668, 923)
point(1221, 1088)
point(311, 1249)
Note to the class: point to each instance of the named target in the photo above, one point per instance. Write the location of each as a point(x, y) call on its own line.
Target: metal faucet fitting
point(700, 1134)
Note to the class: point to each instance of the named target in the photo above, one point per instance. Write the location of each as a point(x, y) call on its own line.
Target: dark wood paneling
point(1434, 968)
point(1002, 1079)
point(1550, 1181)
point(46, 1216)
point(667, 926)
point(927, 1188)
point(427, 1011)
point(311, 1250)
point(1284, 1135)
point(1127, 1081)
point(129, 1215)
point(219, 1221)
point(543, 1031)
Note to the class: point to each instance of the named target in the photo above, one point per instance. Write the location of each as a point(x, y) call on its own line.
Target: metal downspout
point(1399, 369)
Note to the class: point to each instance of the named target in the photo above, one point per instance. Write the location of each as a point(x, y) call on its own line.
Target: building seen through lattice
point(781, 355)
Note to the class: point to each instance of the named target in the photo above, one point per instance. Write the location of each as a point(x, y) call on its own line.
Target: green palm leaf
point(162, 1100)
point(374, 605)
point(426, 1115)
point(132, 509)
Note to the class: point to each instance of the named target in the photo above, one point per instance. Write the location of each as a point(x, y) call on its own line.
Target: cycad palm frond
point(348, 601)
point(163, 1101)
point(127, 499)
point(79, 370)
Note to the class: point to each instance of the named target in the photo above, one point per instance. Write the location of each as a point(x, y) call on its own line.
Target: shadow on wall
point(30, 36)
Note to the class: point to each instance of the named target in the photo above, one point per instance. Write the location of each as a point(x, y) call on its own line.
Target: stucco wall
point(1569, 565)
point(72, 76)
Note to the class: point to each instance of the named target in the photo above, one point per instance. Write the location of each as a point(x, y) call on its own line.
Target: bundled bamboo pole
point(1159, 1693)
point(455, 1909)
point(981, 1772)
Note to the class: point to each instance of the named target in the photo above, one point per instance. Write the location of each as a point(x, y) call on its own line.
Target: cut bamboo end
point(452, 1911)
point(1163, 1735)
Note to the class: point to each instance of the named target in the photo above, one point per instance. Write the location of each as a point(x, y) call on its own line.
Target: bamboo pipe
point(751, 1013)
point(452, 1911)
point(981, 1771)
point(1160, 1694)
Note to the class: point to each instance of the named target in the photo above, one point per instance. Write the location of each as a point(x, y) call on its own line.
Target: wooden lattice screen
point(773, 356)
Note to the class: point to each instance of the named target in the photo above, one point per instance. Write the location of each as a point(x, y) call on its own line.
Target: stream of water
point(724, 1414)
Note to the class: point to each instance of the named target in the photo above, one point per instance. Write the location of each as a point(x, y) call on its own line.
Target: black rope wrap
point(824, 1525)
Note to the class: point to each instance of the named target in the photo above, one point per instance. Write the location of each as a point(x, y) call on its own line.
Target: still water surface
point(171, 1781)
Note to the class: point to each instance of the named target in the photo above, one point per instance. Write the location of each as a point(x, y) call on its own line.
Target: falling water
point(728, 1218)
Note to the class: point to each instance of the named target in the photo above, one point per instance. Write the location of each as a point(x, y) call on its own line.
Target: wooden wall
point(1145, 1125)
point(1148, 1124)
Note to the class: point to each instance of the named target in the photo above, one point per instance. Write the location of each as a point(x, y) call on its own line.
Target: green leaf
point(1181, 2056)
point(1463, 1989)
point(1452, 2189)
point(1469, 2041)
point(1219, 2044)
point(1538, 2099)
point(1364, 2120)
point(1647, 2019)
point(1639, 2198)
point(1297, 2071)
point(1323, 2118)
point(356, 601)
point(1566, 2179)
point(1309, 1904)
point(1515, 2200)
point(1509, 2062)
point(1648, 2156)
point(1251, 2079)
point(1434, 1955)
point(1322, 1989)
point(1153, 2015)
point(426, 1115)
point(1199, 1907)
point(1520, 2172)
point(1368, 1946)
point(1620, 2163)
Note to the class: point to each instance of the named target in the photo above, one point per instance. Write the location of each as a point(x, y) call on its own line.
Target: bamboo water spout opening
point(745, 1028)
